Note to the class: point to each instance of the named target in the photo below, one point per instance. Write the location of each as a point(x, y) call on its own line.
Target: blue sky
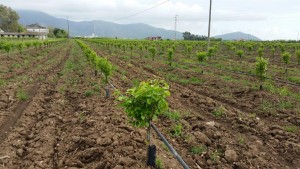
point(267, 19)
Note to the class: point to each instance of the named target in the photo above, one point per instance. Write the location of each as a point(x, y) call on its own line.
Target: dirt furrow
point(21, 106)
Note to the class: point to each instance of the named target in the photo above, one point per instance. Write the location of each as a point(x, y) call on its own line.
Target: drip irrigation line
point(173, 151)
point(170, 147)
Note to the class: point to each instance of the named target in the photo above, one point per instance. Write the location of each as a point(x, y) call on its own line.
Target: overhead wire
point(142, 11)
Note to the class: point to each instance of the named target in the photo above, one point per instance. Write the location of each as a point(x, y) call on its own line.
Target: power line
point(143, 11)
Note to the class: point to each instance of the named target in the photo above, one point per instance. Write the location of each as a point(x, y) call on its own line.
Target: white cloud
point(267, 19)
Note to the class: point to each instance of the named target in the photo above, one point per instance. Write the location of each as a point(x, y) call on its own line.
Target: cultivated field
point(54, 114)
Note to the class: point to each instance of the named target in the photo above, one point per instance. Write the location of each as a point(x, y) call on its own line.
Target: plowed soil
point(66, 122)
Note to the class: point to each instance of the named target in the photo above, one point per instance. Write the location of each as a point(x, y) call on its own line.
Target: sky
point(266, 19)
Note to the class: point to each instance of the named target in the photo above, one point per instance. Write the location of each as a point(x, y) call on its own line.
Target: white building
point(36, 28)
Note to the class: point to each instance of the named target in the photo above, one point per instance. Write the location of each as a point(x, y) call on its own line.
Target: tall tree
point(9, 19)
point(60, 33)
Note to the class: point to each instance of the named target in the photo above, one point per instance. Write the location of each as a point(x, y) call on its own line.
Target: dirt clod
point(231, 156)
point(202, 138)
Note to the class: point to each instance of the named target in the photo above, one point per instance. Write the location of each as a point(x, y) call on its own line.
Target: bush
point(261, 69)
point(145, 102)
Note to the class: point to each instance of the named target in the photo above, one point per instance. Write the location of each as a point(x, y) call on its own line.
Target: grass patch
point(89, 93)
point(241, 140)
point(215, 156)
point(198, 150)
point(285, 105)
point(96, 88)
point(70, 65)
point(176, 130)
point(173, 115)
point(126, 58)
point(219, 111)
point(22, 95)
point(227, 78)
point(267, 107)
point(159, 164)
point(294, 79)
point(2, 82)
point(183, 81)
point(195, 81)
point(291, 129)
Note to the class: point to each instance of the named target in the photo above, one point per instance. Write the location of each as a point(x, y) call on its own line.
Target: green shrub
point(261, 69)
point(145, 102)
point(286, 57)
point(170, 56)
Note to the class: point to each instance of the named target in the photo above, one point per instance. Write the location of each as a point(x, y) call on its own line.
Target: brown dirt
point(63, 127)
point(267, 133)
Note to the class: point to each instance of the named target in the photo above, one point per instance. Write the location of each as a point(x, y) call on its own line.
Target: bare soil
point(67, 123)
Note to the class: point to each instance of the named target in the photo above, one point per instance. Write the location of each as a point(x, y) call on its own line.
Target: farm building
point(154, 38)
point(36, 28)
point(33, 31)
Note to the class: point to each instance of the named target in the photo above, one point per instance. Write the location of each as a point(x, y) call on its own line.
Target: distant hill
point(238, 36)
point(98, 27)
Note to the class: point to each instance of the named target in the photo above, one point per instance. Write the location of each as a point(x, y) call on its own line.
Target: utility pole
point(175, 27)
point(68, 28)
point(208, 43)
point(93, 35)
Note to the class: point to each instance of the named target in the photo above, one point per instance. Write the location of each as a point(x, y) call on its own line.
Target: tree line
point(189, 36)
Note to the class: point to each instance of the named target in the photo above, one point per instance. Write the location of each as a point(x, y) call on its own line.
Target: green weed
point(88, 93)
point(291, 129)
point(159, 164)
point(215, 156)
point(198, 150)
point(173, 115)
point(22, 95)
point(2, 82)
point(294, 79)
point(219, 111)
point(126, 58)
point(285, 105)
point(226, 78)
point(176, 130)
point(241, 140)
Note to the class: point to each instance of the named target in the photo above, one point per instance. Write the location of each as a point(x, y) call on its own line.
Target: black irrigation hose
point(173, 151)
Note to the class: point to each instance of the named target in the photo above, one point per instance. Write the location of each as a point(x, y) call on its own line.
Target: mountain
point(238, 36)
point(98, 27)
